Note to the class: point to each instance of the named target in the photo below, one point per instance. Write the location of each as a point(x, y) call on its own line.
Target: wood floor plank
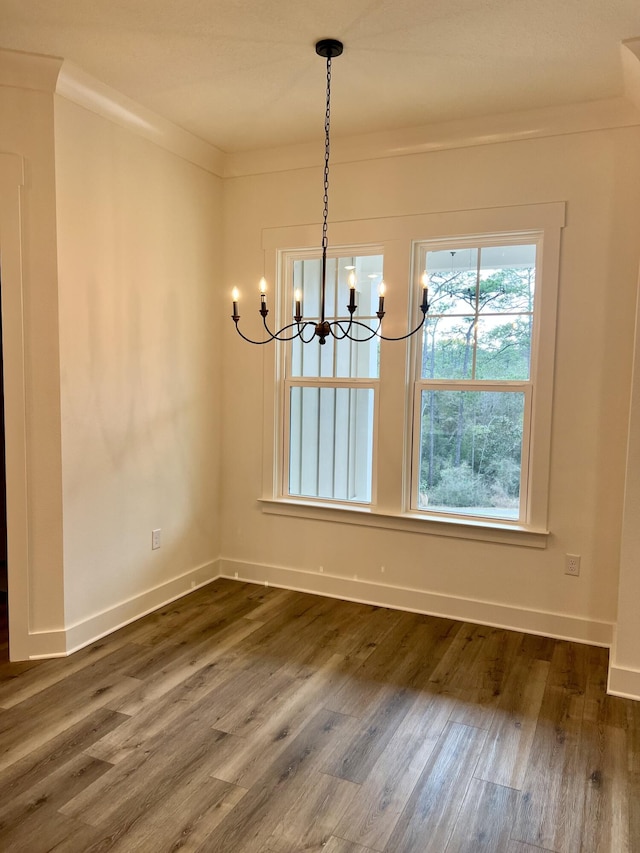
point(131, 737)
point(49, 831)
point(484, 822)
point(374, 811)
point(599, 707)
point(505, 754)
point(412, 648)
point(545, 812)
point(36, 720)
point(536, 647)
point(178, 757)
point(164, 624)
point(45, 673)
point(181, 664)
point(344, 631)
point(252, 755)
point(308, 823)
point(633, 798)
point(474, 670)
point(429, 817)
point(272, 606)
point(25, 774)
point(567, 761)
point(602, 815)
point(53, 791)
point(181, 821)
point(257, 815)
point(354, 759)
point(339, 845)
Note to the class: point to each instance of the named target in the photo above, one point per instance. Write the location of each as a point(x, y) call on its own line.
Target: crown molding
point(29, 70)
point(77, 86)
point(55, 75)
point(464, 133)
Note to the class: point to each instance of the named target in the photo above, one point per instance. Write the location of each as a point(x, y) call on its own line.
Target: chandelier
point(306, 330)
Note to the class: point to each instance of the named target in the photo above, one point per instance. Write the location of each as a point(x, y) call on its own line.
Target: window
point(448, 432)
point(330, 390)
point(474, 386)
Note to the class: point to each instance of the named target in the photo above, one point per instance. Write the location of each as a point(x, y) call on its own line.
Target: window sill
point(483, 530)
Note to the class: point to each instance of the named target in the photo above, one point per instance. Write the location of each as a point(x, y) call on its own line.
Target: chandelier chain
point(327, 151)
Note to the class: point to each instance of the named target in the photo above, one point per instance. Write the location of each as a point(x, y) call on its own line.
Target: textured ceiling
point(243, 74)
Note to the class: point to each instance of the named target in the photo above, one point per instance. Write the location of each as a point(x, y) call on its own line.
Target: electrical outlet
point(572, 564)
point(155, 539)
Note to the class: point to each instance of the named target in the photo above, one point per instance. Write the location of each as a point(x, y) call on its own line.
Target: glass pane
point(504, 346)
point(470, 452)
point(507, 278)
point(447, 348)
point(452, 276)
point(331, 443)
point(338, 358)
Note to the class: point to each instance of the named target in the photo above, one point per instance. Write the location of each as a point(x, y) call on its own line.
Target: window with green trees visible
point(473, 390)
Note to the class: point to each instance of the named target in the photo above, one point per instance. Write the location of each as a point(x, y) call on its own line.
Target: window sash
point(289, 441)
point(525, 388)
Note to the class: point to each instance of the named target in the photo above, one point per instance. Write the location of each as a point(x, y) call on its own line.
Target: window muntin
point(472, 403)
point(337, 358)
point(331, 390)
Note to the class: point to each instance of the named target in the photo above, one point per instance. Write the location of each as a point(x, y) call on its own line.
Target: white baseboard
point(48, 644)
point(624, 682)
point(557, 625)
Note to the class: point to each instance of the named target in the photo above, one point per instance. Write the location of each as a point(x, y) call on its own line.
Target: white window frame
point(285, 266)
point(396, 238)
point(421, 247)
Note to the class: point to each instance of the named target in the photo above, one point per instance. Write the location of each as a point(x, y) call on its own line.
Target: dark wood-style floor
point(249, 720)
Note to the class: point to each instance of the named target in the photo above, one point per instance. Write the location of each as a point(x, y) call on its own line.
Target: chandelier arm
point(250, 340)
point(372, 333)
point(337, 324)
point(308, 324)
point(346, 333)
point(409, 334)
point(281, 336)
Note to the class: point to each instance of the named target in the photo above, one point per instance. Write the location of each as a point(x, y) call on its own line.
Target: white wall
point(139, 242)
point(598, 175)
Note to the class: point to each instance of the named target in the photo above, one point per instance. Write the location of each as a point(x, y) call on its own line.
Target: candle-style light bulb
point(382, 287)
point(235, 295)
point(352, 291)
point(298, 300)
point(425, 292)
point(263, 297)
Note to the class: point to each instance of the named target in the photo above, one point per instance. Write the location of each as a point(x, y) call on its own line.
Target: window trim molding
point(547, 218)
point(368, 516)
